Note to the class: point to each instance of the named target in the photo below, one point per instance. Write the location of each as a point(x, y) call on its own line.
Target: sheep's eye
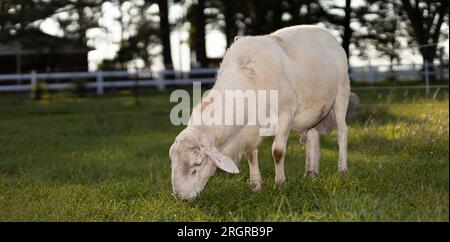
point(195, 150)
point(194, 172)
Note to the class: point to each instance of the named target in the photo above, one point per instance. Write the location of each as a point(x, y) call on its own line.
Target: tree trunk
point(347, 29)
point(428, 56)
point(199, 38)
point(229, 23)
point(307, 17)
point(427, 37)
point(294, 8)
point(165, 33)
point(257, 18)
point(277, 14)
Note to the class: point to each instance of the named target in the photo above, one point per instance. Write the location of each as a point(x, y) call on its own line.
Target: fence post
point(370, 75)
point(33, 78)
point(427, 78)
point(414, 71)
point(160, 81)
point(99, 79)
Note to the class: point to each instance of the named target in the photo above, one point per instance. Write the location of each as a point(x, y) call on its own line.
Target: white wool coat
point(304, 63)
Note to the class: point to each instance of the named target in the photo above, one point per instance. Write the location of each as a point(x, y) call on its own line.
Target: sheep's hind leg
point(340, 110)
point(312, 153)
point(279, 151)
point(255, 174)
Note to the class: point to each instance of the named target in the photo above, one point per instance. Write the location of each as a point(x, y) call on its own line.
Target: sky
point(105, 42)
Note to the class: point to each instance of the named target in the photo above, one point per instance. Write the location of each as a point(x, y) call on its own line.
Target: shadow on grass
point(381, 115)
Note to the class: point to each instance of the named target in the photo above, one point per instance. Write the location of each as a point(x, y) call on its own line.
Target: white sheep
point(308, 68)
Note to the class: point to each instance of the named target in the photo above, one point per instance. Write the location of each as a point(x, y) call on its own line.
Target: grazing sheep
point(308, 68)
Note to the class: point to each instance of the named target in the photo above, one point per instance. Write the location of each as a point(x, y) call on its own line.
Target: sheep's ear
point(223, 162)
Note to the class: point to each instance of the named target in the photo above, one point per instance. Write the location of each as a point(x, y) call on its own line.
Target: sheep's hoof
point(256, 185)
point(279, 184)
point(311, 174)
point(342, 172)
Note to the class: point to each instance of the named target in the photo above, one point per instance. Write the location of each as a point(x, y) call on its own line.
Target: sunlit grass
point(106, 159)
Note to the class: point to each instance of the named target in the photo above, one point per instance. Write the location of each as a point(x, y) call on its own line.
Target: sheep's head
point(194, 160)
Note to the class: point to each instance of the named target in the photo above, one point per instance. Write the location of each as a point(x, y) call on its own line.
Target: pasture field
point(106, 159)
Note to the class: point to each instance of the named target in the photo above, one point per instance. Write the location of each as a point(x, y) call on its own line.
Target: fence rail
point(376, 73)
point(140, 79)
point(101, 80)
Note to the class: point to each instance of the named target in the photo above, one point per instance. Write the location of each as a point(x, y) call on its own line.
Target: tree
point(82, 15)
point(256, 12)
point(305, 11)
point(347, 29)
point(378, 26)
point(426, 19)
point(343, 16)
point(229, 10)
point(265, 17)
point(20, 22)
point(16, 16)
point(140, 34)
point(164, 29)
point(383, 30)
point(254, 17)
point(197, 18)
point(344, 21)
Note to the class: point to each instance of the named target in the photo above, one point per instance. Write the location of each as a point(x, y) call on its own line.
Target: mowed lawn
point(106, 159)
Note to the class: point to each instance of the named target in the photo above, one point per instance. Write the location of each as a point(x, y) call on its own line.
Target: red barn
point(41, 52)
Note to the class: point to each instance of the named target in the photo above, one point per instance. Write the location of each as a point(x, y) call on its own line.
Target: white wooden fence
point(24, 82)
point(101, 80)
point(376, 73)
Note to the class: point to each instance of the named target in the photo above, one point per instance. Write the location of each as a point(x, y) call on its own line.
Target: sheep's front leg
point(312, 153)
point(279, 152)
point(255, 174)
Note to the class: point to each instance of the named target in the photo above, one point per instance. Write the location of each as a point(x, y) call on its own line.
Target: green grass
point(106, 159)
